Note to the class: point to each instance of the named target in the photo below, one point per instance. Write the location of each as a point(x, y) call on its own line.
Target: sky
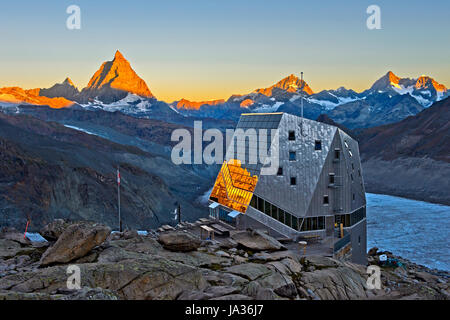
point(209, 49)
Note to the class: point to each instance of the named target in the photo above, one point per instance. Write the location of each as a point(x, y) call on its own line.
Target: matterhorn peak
point(114, 80)
point(119, 56)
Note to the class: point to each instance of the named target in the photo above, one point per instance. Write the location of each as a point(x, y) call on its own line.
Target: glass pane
point(281, 216)
point(267, 208)
point(294, 223)
point(347, 221)
point(308, 224)
point(260, 204)
point(288, 219)
point(274, 212)
point(314, 223)
point(253, 202)
point(303, 224)
point(321, 223)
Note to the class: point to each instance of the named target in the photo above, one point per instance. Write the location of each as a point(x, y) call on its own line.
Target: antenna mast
point(301, 92)
point(302, 83)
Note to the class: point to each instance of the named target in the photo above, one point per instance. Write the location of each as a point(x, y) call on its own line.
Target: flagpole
point(118, 197)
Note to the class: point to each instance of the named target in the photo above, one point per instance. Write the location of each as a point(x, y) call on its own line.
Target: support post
point(118, 197)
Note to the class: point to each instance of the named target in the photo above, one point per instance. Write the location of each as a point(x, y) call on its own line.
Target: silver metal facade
point(338, 157)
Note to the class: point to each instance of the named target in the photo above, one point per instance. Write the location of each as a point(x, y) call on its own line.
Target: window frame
point(291, 137)
point(317, 145)
point(295, 181)
point(295, 156)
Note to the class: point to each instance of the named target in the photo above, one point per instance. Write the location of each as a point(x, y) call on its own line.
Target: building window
point(291, 135)
point(293, 181)
point(253, 202)
point(275, 213)
point(326, 200)
point(359, 172)
point(349, 220)
point(292, 156)
point(337, 154)
point(280, 171)
point(313, 223)
point(351, 176)
point(294, 223)
point(350, 153)
point(353, 197)
point(287, 218)
point(321, 223)
point(260, 205)
point(331, 178)
point(306, 224)
point(281, 216)
point(318, 145)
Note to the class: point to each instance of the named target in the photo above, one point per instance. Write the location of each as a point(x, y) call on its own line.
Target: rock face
point(65, 89)
point(414, 153)
point(113, 81)
point(179, 241)
point(75, 242)
point(257, 241)
point(139, 267)
point(291, 84)
point(16, 95)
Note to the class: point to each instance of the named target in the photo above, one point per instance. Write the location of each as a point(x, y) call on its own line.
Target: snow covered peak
point(290, 83)
point(114, 80)
point(69, 82)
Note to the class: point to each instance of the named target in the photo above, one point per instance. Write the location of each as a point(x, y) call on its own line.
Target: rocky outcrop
point(257, 241)
point(66, 89)
point(139, 267)
point(16, 96)
point(75, 242)
point(179, 241)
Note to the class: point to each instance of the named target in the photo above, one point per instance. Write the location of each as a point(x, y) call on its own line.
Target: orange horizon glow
point(196, 89)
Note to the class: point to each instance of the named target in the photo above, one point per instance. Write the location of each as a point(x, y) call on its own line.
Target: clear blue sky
point(207, 49)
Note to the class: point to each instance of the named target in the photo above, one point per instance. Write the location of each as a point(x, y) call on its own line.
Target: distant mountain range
point(60, 161)
point(410, 158)
point(117, 87)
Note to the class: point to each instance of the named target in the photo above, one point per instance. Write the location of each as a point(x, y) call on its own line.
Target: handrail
point(341, 243)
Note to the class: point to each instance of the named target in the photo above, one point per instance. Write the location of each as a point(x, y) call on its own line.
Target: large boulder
point(53, 230)
point(257, 241)
point(179, 241)
point(75, 242)
point(9, 248)
point(148, 277)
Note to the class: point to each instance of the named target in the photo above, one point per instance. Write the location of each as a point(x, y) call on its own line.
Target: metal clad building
point(317, 190)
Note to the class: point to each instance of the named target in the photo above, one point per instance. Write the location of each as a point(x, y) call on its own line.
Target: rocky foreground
point(178, 265)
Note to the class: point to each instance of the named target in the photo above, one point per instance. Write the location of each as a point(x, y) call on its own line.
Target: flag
point(118, 177)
